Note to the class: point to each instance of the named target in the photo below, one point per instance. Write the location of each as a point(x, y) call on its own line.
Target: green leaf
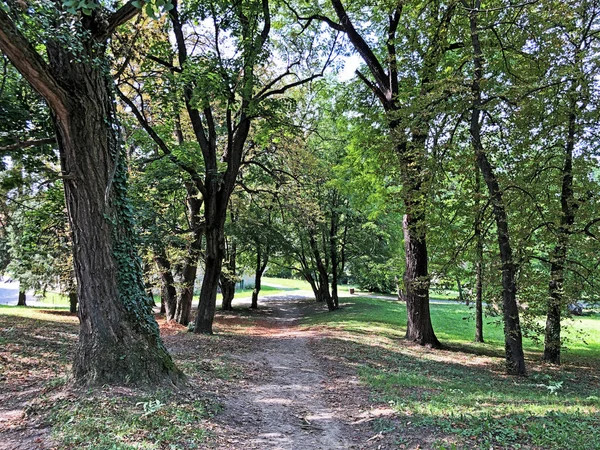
point(150, 10)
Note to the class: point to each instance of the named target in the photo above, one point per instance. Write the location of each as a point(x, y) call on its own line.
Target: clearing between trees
point(292, 376)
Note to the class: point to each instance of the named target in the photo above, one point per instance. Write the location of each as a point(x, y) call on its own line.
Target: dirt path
point(294, 402)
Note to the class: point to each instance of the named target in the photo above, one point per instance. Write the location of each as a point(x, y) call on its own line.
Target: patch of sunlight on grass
point(462, 391)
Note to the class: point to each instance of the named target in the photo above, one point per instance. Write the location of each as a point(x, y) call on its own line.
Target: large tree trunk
point(552, 339)
point(215, 250)
point(119, 340)
point(515, 360)
point(412, 155)
point(168, 293)
point(22, 301)
point(416, 285)
point(416, 278)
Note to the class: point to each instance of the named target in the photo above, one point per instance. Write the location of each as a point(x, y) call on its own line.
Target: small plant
point(150, 407)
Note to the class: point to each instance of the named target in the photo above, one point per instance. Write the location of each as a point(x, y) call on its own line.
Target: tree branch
point(309, 19)
point(380, 95)
point(120, 16)
point(164, 63)
point(26, 144)
point(160, 142)
point(363, 49)
point(32, 66)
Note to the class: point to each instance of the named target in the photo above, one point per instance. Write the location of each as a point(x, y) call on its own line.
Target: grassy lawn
point(54, 299)
point(293, 284)
point(460, 394)
point(270, 286)
point(288, 284)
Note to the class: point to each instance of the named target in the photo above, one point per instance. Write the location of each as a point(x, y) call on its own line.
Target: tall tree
point(222, 97)
point(409, 130)
point(119, 339)
point(578, 30)
point(515, 359)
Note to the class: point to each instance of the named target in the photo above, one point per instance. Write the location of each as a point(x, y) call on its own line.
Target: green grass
point(288, 284)
point(54, 299)
point(293, 284)
point(461, 394)
point(107, 422)
point(264, 290)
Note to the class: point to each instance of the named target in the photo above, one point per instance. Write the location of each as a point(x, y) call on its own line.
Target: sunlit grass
point(461, 393)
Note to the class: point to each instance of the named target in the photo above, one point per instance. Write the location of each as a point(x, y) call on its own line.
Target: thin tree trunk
point(148, 286)
point(22, 301)
point(73, 302)
point(323, 275)
point(261, 265)
point(515, 360)
point(228, 280)
point(190, 267)
point(478, 261)
point(552, 339)
point(333, 248)
point(461, 297)
point(313, 285)
point(168, 293)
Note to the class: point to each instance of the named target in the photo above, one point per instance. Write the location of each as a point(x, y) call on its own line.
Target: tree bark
point(416, 286)
point(119, 341)
point(228, 293)
point(228, 278)
point(208, 293)
point(22, 301)
point(461, 296)
point(190, 267)
point(552, 338)
point(261, 265)
point(478, 261)
point(168, 293)
point(323, 288)
point(412, 155)
point(73, 302)
point(333, 249)
point(515, 360)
